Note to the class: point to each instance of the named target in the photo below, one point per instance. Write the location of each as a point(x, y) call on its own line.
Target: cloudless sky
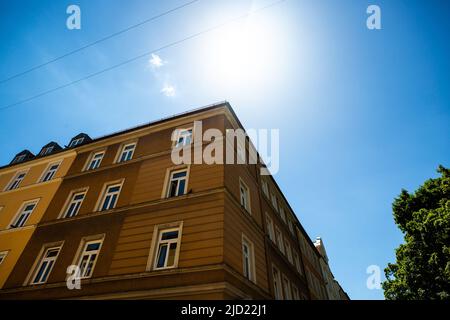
point(362, 113)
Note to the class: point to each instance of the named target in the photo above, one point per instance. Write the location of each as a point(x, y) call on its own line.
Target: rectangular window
point(45, 266)
point(110, 197)
point(16, 181)
point(25, 211)
point(19, 158)
point(3, 255)
point(286, 288)
point(278, 293)
point(167, 248)
point(244, 196)
point(274, 202)
point(295, 294)
point(47, 151)
point(177, 183)
point(76, 199)
point(127, 152)
point(95, 161)
point(50, 173)
point(279, 239)
point(184, 138)
point(287, 246)
point(270, 230)
point(76, 142)
point(297, 263)
point(291, 226)
point(282, 214)
point(88, 257)
point(265, 187)
point(248, 265)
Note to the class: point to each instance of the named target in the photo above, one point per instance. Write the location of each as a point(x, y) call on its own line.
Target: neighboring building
point(334, 290)
point(27, 185)
point(138, 226)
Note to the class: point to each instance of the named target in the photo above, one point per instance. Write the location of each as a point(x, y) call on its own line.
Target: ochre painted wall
point(13, 241)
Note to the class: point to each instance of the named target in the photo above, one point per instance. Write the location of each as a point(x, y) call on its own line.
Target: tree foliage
point(422, 270)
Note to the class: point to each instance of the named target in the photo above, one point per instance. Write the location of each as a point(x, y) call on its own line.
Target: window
point(177, 183)
point(265, 187)
point(270, 230)
point(291, 226)
point(279, 239)
point(3, 255)
point(244, 195)
point(274, 202)
point(248, 265)
point(282, 214)
point(72, 208)
point(167, 248)
point(95, 161)
point(297, 263)
point(76, 142)
point(23, 215)
point(46, 151)
point(184, 138)
point(110, 197)
point(286, 288)
point(287, 246)
point(45, 266)
point(278, 293)
point(127, 152)
point(88, 257)
point(295, 294)
point(19, 158)
point(50, 173)
point(16, 181)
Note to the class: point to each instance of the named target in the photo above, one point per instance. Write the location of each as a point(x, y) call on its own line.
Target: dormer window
point(76, 142)
point(47, 151)
point(19, 158)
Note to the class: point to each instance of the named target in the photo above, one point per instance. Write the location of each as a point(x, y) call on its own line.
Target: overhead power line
point(145, 54)
point(112, 35)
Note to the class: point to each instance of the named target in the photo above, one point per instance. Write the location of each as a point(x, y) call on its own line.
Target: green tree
point(422, 270)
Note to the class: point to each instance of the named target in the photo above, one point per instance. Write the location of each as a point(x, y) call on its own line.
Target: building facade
point(126, 221)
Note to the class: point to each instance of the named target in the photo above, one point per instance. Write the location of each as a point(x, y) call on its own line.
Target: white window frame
point(70, 200)
point(170, 173)
point(297, 262)
point(49, 170)
point(279, 239)
point(245, 199)
point(288, 250)
point(282, 213)
point(21, 212)
point(159, 230)
point(47, 150)
point(122, 151)
point(105, 193)
point(43, 259)
point(270, 228)
point(76, 142)
point(181, 133)
point(85, 242)
point(98, 161)
point(277, 283)
point(250, 258)
point(265, 187)
point(274, 201)
point(287, 288)
point(3, 255)
point(19, 158)
point(14, 179)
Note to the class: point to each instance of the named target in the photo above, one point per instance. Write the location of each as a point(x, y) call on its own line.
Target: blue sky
point(362, 113)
